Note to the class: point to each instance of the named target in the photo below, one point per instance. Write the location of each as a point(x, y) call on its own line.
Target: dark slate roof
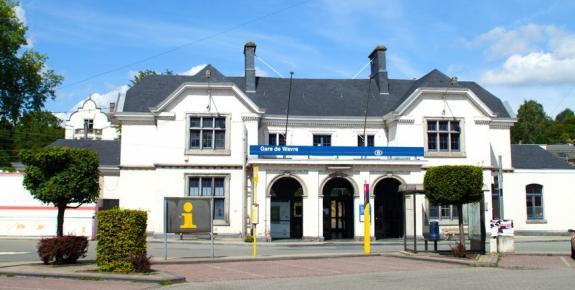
point(565, 151)
point(310, 97)
point(108, 150)
point(535, 157)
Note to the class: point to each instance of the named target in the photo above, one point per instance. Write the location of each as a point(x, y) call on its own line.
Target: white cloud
point(20, 13)
point(103, 100)
point(194, 70)
point(260, 72)
point(534, 55)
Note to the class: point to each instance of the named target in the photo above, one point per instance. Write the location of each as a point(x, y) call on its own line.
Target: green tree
point(532, 124)
point(36, 130)
point(563, 128)
point(25, 81)
point(144, 73)
point(456, 185)
point(6, 143)
point(61, 176)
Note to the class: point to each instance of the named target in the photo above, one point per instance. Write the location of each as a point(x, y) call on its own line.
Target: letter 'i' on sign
point(188, 216)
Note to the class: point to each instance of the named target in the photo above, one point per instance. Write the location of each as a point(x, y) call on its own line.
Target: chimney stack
point(250, 72)
point(379, 69)
point(112, 107)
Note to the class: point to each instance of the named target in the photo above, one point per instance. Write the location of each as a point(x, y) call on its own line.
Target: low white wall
point(22, 215)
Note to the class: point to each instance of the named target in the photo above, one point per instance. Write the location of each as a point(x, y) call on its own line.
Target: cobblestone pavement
point(297, 268)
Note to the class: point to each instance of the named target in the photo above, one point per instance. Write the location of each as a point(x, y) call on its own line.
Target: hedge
point(121, 239)
point(62, 250)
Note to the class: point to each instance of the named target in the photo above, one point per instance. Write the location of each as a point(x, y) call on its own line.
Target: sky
point(519, 49)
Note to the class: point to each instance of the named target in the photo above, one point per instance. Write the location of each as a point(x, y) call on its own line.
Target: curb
point(157, 278)
point(473, 263)
point(263, 258)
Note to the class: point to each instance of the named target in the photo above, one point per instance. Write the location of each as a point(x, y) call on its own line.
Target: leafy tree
point(532, 124)
point(25, 81)
point(563, 128)
point(144, 73)
point(6, 143)
point(37, 129)
point(456, 185)
point(61, 176)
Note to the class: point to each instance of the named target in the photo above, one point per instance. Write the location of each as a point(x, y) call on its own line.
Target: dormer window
point(207, 133)
point(443, 137)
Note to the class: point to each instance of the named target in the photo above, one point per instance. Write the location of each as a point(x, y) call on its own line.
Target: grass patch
point(166, 283)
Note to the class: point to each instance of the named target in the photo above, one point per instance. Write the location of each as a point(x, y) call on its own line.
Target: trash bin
point(433, 231)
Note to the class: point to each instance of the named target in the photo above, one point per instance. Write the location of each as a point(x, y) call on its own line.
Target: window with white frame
point(276, 139)
point(370, 140)
point(534, 196)
point(210, 187)
point(207, 133)
point(443, 136)
point(443, 212)
point(321, 140)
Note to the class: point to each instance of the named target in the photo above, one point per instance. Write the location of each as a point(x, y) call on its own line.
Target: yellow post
point(255, 214)
point(367, 230)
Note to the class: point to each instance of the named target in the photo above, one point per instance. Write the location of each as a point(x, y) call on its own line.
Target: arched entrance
point(389, 213)
point(338, 209)
point(286, 209)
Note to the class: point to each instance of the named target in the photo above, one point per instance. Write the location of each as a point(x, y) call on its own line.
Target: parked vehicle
point(572, 244)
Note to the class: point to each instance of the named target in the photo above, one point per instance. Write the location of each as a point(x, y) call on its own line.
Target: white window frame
point(449, 152)
point(212, 150)
point(320, 134)
point(360, 136)
point(532, 195)
point(217, 222)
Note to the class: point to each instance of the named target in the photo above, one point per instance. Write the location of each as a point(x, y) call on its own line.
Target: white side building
point(91, 123)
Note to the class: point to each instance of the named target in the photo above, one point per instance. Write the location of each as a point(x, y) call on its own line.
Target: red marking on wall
point(40, 207)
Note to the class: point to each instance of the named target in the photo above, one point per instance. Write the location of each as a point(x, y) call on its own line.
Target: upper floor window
point(277, 139)
point(210, 187)
point(534, 194)
point(321, 140)
point(370, 140)
point(207, 132)
point(443, 136)
point(89, 125)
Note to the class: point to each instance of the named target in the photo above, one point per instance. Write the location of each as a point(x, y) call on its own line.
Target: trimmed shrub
point(62, 250)
point(121, 240)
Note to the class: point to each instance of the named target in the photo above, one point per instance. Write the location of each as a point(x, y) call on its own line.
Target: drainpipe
point(244, 185)
point(500, 178)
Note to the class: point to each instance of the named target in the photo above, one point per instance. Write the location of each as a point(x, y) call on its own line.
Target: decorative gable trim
point(411, 100)
point(239, 93)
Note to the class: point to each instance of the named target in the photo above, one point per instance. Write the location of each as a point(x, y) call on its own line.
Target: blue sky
point(516, 49)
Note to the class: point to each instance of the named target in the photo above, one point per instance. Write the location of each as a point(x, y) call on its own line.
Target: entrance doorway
point(338, 209)
point(389, 213)
point(286, 209)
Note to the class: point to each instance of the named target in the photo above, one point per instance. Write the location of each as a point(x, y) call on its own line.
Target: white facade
point(89, 122)
point(163, 155)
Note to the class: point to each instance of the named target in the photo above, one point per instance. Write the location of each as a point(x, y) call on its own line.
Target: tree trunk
point(60, 220)
point(461, 232)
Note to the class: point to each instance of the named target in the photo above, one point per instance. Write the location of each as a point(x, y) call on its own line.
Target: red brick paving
point(296, 268)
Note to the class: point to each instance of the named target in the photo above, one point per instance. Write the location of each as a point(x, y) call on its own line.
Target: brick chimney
point(379, 69)
point(250, 73)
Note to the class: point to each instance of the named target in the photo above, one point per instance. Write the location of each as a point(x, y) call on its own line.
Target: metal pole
point(414, 224)
point(165, 229)
point(287, 112)
point(500, 188)
point(212, 250)
point(404, 223)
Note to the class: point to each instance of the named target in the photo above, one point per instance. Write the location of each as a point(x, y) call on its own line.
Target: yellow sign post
point(254, 211)
point(367, 221)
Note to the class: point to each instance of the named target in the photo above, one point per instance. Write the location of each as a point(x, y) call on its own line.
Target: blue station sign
point(269, 150)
